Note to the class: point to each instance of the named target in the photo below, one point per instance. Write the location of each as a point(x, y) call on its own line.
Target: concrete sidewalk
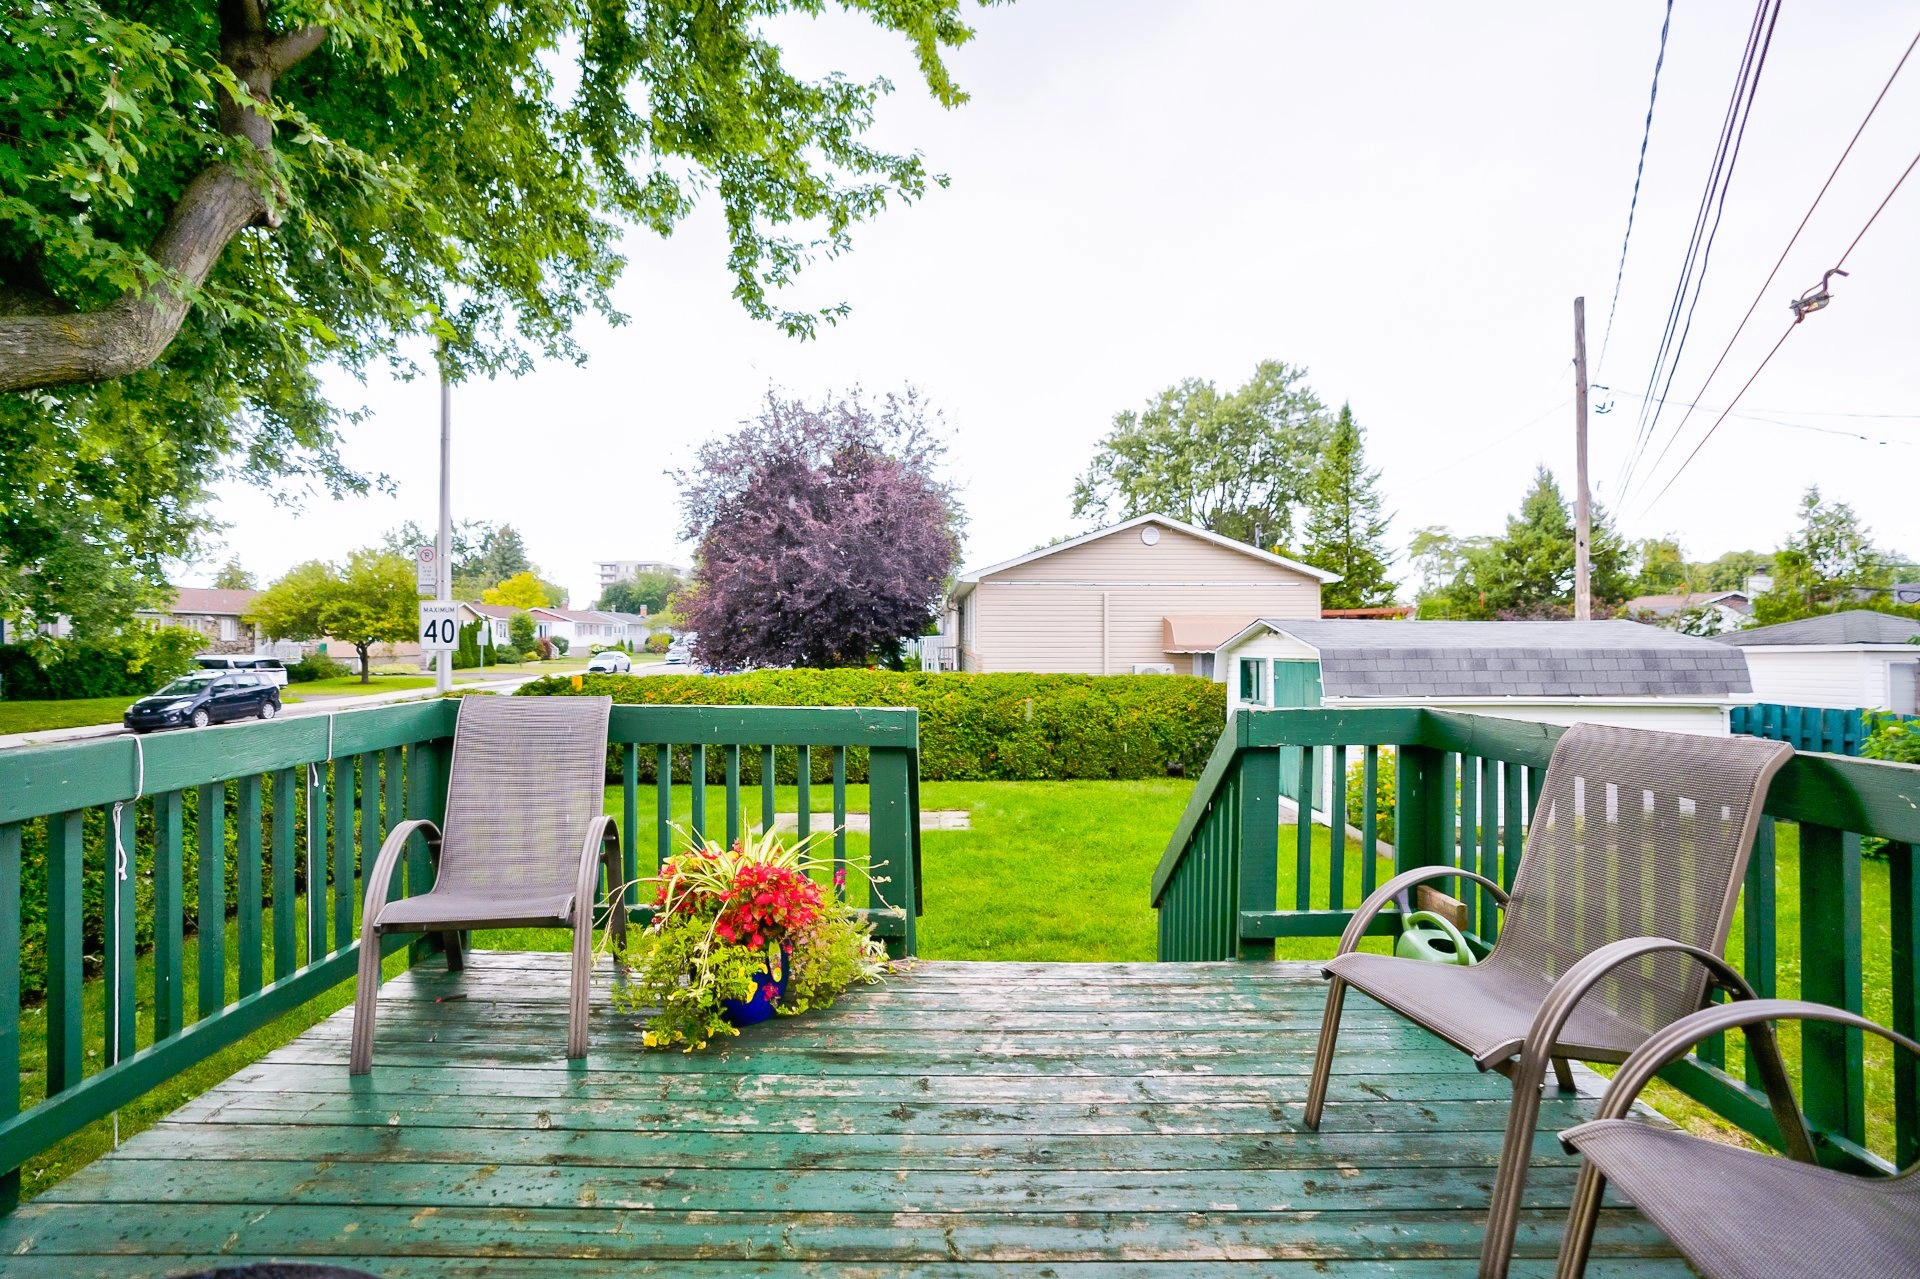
point(328, 705)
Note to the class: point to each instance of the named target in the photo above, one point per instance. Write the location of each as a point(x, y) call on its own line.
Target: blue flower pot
point(769, 988)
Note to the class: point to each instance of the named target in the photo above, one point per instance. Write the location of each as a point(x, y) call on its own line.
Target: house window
point(1203, 665)
point(1253, 680)
point(227, 628)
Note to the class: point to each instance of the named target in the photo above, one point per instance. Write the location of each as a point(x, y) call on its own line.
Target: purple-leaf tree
point(826, 535)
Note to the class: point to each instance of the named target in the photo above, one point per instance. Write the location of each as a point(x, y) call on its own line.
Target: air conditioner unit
point(1153, 668)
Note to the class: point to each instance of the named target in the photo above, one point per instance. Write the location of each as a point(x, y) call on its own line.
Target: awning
point(1202, 632)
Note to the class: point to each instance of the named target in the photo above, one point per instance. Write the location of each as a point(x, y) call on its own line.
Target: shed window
point(1253, 680)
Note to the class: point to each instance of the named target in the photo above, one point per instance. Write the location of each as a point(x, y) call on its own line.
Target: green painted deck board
point(1015, 1119)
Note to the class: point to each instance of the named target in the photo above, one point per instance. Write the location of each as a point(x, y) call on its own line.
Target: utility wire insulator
point(1814, 299)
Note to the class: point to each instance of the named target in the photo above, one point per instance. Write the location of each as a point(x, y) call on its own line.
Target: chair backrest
point(1637, 834)
point(529, 774)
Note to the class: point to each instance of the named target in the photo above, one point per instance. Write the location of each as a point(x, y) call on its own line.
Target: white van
point(272, 668)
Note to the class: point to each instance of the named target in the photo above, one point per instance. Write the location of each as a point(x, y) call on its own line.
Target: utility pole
point(443, 660)
point(1582, 504)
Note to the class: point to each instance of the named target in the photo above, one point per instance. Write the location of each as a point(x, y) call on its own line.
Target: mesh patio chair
point(523, 847)
point(1614, 929)
point(1739, 1214)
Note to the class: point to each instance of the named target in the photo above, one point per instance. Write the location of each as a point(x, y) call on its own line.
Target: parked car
point(272, 667)
point(203, 698)
point(611, 662)
point(680, 651)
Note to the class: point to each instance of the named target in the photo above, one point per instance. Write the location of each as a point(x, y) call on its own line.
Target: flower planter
point(770, 987)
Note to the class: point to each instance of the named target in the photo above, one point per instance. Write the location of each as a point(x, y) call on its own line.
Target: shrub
point(520, 631)
point(1892, 737)
point(997, 727)
point(659, 642)
point(560, 644)
point(466, 653)
point(130, 664)
point(530, 655)
point(544, 647)
point(315, 666)
point(1382, 792)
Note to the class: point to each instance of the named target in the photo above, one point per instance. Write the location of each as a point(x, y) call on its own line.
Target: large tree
point(826, 534)
point(201, 203)
point(650, 591)
point(484, 553)
point(1236, 463)
point(1527, 572)
point(369, 600)
point(1829, 562)
point(1346, 530)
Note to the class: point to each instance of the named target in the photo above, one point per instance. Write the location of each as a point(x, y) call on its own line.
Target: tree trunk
point(43, 344)
point(366, 663)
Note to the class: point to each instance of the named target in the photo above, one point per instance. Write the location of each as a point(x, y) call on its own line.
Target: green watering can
point(1425, 935)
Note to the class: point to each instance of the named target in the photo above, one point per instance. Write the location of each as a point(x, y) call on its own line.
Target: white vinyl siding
point(1844, 678)
point(1100, 608)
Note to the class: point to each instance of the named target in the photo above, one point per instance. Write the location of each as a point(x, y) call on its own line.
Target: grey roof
point(1856, 626)
point(1516, 659)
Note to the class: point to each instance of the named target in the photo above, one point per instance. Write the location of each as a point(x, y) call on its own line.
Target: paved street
point(316, 705)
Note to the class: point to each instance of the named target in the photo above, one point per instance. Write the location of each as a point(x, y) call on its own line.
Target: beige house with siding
point(1152, 595)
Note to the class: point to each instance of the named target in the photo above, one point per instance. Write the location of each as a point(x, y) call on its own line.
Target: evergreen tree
point(1345, 530)
point(1826, 564)
point(1527, 572)
point(234, 577)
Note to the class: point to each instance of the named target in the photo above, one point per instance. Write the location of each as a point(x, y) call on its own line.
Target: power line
point(1640, 169)
point(1791, 241)
point(1699, 251)
point(1854, 244)
point(1687, 260)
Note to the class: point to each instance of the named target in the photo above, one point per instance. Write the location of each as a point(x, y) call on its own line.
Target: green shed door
point(1296, 683)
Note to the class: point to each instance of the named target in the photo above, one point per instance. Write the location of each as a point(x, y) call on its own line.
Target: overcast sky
point(1403, 198)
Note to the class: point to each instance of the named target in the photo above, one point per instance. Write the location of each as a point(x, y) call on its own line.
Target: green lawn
point(38, 717)
point(350, 686)
point(1048, 871)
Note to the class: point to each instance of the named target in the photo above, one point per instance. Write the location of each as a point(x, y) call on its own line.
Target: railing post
point(1257, 863)
point(169, 975)
point(890, 841)
point(1421, 807)
point(65, 1051)
point(1833, 1093)
point(9, 997)
point(1904, 883)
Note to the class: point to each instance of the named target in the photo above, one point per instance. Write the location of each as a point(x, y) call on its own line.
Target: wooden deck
point(1027, 1119)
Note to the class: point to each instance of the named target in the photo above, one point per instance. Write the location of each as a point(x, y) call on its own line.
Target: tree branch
point(41, 347)
point(283, 54)
point(55, 350)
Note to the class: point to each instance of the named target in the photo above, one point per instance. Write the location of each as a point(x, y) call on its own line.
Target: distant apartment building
point(612, 571)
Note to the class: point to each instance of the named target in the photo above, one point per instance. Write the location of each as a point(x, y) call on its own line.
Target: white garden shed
point(1856, 659)
point(1612, 672)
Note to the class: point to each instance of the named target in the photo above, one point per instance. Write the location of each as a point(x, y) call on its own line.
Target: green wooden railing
point(107, 842)
point(1464, 788)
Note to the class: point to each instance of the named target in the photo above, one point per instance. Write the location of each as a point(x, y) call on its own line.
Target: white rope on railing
point(120, 872)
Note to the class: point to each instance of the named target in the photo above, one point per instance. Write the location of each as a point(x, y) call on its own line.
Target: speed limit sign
point(439, 624)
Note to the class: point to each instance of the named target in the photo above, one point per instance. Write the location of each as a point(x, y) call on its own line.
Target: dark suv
point(205, 697)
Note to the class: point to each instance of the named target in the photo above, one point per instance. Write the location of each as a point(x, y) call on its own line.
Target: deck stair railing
point(1464, 790)
point(113, 850)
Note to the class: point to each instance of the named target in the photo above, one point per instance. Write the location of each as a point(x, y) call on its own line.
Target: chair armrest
point(379, 880)
point(1672, 1042)
point(1364, 913)
point(601, 847)
point(1572, 986)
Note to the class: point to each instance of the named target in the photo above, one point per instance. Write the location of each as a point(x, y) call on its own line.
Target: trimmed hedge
point(997, 727)
point(132, 663)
